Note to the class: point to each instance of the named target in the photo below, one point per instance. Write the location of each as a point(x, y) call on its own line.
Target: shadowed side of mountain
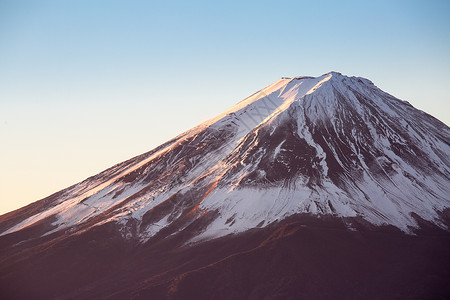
point(301, 257)
point(300, 261)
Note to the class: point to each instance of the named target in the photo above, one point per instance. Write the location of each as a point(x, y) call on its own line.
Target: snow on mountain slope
point(332, 145)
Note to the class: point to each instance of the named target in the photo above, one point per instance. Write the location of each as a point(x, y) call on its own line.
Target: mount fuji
point(308, 188)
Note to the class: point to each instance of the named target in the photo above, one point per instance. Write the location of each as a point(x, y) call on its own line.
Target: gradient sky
point(87, 84)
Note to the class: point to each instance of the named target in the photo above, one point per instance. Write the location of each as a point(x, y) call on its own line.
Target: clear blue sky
point(87, 84)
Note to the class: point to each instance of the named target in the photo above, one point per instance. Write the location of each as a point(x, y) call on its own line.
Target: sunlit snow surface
point(332, 145)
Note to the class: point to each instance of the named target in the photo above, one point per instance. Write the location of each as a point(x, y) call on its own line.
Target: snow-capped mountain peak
point(328, 145)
